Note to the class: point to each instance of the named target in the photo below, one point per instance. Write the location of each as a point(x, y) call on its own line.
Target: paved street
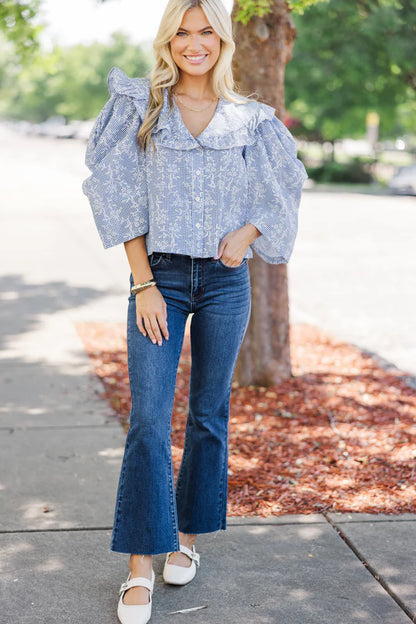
point(353, 271)
point(352, 274)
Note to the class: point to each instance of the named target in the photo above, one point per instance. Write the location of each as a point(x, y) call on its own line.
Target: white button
point(197, 198)
point(198, 171)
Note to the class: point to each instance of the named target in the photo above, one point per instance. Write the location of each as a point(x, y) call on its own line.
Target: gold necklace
point(196, 110)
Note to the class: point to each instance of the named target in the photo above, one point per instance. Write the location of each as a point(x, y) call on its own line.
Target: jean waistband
point(172, 256)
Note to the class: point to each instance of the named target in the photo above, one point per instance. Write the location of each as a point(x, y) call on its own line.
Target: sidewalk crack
point(410, 614)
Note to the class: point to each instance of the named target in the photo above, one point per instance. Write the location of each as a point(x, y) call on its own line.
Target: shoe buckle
point(123, 587)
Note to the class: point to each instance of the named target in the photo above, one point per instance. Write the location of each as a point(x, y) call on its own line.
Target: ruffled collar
point(232, 124)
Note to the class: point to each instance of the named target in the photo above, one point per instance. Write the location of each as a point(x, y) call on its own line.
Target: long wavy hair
point(165, 73)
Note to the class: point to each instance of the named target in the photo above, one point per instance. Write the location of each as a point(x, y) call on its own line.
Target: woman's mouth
point(196, 59)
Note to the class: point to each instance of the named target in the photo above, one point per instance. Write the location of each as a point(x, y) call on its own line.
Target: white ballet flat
point(135, 614)
point(178, 575)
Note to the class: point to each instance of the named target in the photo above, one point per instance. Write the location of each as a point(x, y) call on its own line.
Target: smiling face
point(196, 46)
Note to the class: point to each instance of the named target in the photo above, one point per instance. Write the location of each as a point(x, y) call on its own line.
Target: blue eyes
point(205, 31)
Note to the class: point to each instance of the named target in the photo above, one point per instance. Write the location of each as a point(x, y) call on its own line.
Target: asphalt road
point(352, 273)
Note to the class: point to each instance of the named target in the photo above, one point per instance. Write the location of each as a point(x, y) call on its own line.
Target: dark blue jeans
point(149, 511)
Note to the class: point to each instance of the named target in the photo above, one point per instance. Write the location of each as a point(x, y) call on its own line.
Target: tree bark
point(263, 48)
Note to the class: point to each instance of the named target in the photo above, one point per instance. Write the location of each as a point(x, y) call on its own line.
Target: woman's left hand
point(233, 245)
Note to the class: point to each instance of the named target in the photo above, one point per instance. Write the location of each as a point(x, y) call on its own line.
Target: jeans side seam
point(224, 473)
point(119, 497)
point(171, 475)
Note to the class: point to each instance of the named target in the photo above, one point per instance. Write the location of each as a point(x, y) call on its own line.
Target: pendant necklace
point(196, 110)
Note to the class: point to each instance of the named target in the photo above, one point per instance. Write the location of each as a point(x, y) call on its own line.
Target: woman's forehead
point(194, 19)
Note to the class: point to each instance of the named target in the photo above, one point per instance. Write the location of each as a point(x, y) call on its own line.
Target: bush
point(357, 171)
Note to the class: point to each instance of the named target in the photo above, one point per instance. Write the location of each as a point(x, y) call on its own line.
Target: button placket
point(198, 207)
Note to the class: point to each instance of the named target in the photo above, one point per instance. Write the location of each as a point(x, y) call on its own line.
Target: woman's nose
point(195, 44)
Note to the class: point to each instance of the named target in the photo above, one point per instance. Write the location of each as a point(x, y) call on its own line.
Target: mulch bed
point(339, 435)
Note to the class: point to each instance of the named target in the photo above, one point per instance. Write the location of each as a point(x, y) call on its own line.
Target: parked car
point(404, 181)
point(68, 131)
point(50, 126)
point(84, 128)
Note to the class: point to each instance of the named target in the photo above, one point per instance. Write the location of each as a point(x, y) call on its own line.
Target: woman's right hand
point(151, 314)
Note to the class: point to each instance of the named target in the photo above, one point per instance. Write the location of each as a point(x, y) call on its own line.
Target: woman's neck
point(196, 87)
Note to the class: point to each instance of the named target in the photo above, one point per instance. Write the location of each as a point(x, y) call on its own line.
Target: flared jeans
point(149, 510)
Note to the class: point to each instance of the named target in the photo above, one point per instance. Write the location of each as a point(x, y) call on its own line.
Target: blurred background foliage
point(17, 25)
point(349, 58)
point(69, 81)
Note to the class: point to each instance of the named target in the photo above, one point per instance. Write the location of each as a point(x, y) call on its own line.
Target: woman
point(188, 174)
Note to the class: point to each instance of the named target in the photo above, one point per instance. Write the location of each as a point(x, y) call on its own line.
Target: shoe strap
point(192, 554)
point(138, 581)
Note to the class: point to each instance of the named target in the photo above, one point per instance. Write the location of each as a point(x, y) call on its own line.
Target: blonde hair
point(165, 73)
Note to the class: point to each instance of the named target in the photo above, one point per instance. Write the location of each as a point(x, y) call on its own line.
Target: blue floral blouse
point(242, 168)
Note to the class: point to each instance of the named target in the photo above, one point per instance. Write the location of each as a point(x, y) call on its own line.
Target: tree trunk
point(263, 48)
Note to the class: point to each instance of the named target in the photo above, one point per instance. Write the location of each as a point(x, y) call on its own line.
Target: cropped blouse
point(242, 168)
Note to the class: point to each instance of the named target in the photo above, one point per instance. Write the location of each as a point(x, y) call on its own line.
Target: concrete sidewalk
point(60, 457)
point(61, 450)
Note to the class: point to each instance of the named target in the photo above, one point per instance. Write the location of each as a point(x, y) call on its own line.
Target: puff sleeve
point(117, 188)
point(275, 180)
